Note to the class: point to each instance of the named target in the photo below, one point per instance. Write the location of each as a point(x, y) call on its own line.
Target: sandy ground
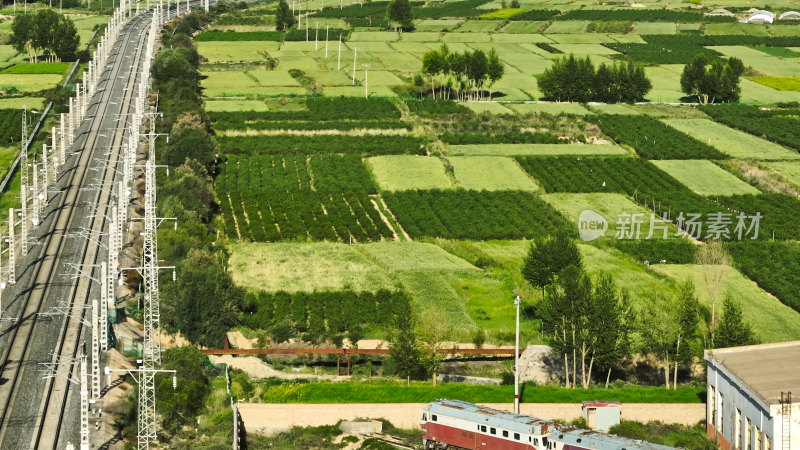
point(271, 418)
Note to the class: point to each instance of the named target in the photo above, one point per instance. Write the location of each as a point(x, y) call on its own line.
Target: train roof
point(491, 417)
point(601, 441)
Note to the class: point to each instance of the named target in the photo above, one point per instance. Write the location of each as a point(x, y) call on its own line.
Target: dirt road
point(270, 418)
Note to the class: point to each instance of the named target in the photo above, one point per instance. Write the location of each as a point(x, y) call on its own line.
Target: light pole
point(366, 85)
point(516, 362)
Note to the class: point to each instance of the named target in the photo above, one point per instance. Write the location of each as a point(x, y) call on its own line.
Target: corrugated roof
point(600, 441)
point(490, 417)
point(767, 369)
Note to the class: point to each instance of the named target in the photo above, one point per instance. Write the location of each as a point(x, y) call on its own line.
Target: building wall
point(729, 400)
point(794, 424)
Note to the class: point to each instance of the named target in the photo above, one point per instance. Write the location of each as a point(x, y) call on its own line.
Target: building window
point(748, 435)
point(737, 424)
point(757, 445)
point(433, 417)
point(711, 409)
point(483, 428)
point(767, 442)
point(492, 431)
point(721, 413)
point(505, 433)
point(516, 436)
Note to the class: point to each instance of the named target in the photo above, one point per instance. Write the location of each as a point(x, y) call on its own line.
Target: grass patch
point(234, 105)
point(789, 169)
point(40, 68)
point(732, 142)
point(295, 267)
point(19, 102)
point(536, 149)
point(501, 13)
point(705, 177)
point(491, 173)
point(609, 206)
point(379, 391)
point(408, 172)
point(436, 304)
point(772, 321)
point(29, 82)
point(414, 256)
point(779, 83)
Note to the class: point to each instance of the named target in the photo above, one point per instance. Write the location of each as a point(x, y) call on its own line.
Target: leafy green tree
point(613, 324)
point(406, 356)
point(190, 185)
point(569, 79)
point(433, 63)
point(733, 330)
point(284, 19)
point(688, 318)
point(23, 34)
point(399, 12)
point(179, 406)
point(207, 303)
point(495, 69)
point(46, 30)
point(191, 143)
point(657, 328)
point(718, 82)
point(548, 257)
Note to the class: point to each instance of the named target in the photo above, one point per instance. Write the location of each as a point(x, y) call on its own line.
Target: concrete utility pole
point(355, 55)
point(516, 362)
point(12, 270)
point(23, 173)
point(85, 444)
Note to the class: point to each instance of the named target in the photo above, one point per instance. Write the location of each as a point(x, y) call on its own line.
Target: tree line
point(464, 74)
point(46, 31)
point(591, 324)
point(574, 79)
point(712, 81)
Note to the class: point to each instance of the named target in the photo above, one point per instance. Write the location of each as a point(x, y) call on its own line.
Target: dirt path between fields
point(271, 418)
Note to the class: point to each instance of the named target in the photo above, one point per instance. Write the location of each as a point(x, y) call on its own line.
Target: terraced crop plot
point(778, 125)
point(281, 144)
point(732, 142)
point(29, 82)
point(771, 320)
point(491, 173)
point(252, 83)
point(790, 170)
point(296, 267)
point(705, 177)
point(242, 51)
point(460, 214)
point(273, 198)
point(653, 139)
point(536, 149)
point(408, 172)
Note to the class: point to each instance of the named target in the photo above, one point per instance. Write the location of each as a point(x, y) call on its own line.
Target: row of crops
point(654, 139)
point(288, 143)
point(776, 125)
point(290, 197)
point(678, 49)
point(479, 215)
point(320, 315)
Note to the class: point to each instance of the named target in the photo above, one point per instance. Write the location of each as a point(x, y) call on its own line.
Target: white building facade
point(753, 397)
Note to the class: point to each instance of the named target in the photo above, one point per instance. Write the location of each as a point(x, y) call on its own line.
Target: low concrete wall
point(272, 418)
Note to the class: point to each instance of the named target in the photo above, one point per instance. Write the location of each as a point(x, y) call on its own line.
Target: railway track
point(32, 407)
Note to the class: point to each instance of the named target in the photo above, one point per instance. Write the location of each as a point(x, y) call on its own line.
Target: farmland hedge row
point(210, 36)
point(779, 126)
point(322, 108)
point(548, 48)
point(680, 49)
point(434, 108)
point(300, 35)
point(370, 145)
point(536, 14)
point(321, 315)
point(273, 197)
point(510, 137)
point(222, 122)
point(771, 264)
point(465, 8)
point(655, 189)
point(10, 132)
point(636, 15)
point(654, 139)
point(674, 251)
point(479, 215)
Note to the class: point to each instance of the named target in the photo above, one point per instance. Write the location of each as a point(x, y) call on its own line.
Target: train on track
point(453, 424)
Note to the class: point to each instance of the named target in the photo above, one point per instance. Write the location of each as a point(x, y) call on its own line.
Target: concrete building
point(754, 396)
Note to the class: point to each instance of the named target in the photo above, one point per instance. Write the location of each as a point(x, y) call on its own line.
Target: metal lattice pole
point(105, 301)
point(84, 404)
point(12, 271)
point(95, 350)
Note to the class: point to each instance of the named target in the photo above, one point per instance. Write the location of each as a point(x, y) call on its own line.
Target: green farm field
point(732, 142)
point(705, 177)
point(536, 149)
point(408, 172)
point(790, 170)
point(29, 82)
point(491, 173)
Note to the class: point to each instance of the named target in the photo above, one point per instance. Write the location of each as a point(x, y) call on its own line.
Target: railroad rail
point(33, 408)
